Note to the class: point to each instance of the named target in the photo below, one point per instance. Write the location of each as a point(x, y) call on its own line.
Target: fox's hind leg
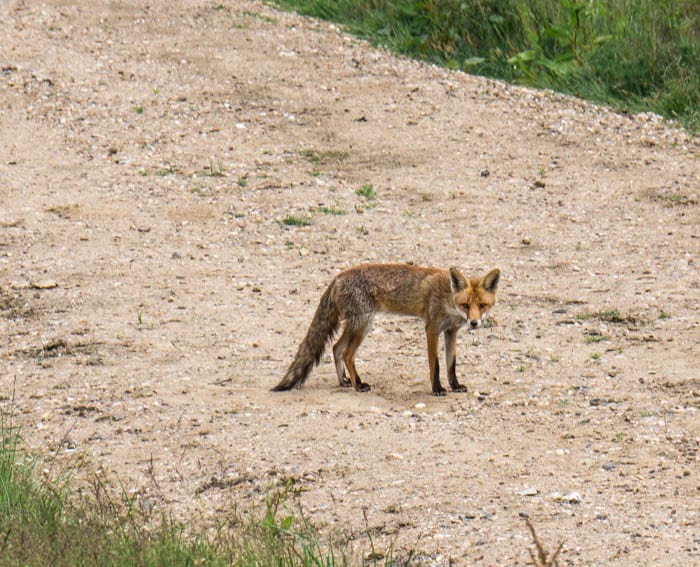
point(356, 330)
point(338, 351)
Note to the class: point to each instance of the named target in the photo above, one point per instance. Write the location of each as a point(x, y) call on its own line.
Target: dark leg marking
point(362, 386)
point(438, 390)
point(454, 383)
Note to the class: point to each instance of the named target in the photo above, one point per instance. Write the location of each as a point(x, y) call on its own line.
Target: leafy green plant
point(367, 191)
point(557, 44)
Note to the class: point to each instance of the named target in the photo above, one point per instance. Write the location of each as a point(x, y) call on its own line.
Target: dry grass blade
point(541, 559)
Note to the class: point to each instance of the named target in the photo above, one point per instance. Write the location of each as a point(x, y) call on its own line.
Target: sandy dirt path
point(150, 294)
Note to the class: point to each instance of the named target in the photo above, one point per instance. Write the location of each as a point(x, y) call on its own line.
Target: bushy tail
point(323, 327)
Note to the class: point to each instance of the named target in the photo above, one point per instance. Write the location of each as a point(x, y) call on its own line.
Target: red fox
point(444, 299)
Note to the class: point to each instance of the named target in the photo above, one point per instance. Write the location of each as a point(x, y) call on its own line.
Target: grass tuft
point(367, 191)
point(330, 210)
point(540, 557)
point(48, 523)
point(294, 220)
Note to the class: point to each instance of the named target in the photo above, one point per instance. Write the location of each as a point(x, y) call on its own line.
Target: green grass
point(610, 315)
point(50, 523)
point(636, 55)
point(214, 169)
point(367, 191)
point(330, 210)
point(294, 220)
point(325, 157)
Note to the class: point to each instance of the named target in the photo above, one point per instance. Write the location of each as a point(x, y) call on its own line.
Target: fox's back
point(396, 288)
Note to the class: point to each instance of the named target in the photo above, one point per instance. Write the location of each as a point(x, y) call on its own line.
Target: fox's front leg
point(432, 337)
point(451, 360)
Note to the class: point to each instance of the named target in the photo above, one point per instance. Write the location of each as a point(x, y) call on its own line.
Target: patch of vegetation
point(258, 16)
point(325, 157)
point(49, 523)
point(608, 314)
point(539, 556)
point(638, 55)
point(13, 305)
point(294, 220)
point(63, 211)
point(214, 169)
point(596, 337)
point(160, 171)
point(367, 191)
point(668, 198)
point(330, 210)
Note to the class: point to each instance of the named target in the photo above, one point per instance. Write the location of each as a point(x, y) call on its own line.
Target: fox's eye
point(464, 306)
point(482, 306)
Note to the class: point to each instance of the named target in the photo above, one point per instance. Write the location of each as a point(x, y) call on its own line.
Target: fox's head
point(474, 297)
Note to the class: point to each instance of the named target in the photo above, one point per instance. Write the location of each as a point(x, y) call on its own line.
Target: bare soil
point(151, 293)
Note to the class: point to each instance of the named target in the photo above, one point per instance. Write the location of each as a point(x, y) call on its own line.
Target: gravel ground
point(151, 292)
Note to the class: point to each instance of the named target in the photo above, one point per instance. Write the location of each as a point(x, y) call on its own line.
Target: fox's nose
point(474, 323)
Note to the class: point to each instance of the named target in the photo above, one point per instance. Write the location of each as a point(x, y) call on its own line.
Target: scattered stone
point(43, 284)
point(569, 497)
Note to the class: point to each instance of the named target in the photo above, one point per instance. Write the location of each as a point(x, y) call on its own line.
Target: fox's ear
point(490, 281)
point(457, 280)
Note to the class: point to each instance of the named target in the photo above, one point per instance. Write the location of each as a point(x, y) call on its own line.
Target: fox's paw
point(440, 392)
point(459, 388)
point(363, 387)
